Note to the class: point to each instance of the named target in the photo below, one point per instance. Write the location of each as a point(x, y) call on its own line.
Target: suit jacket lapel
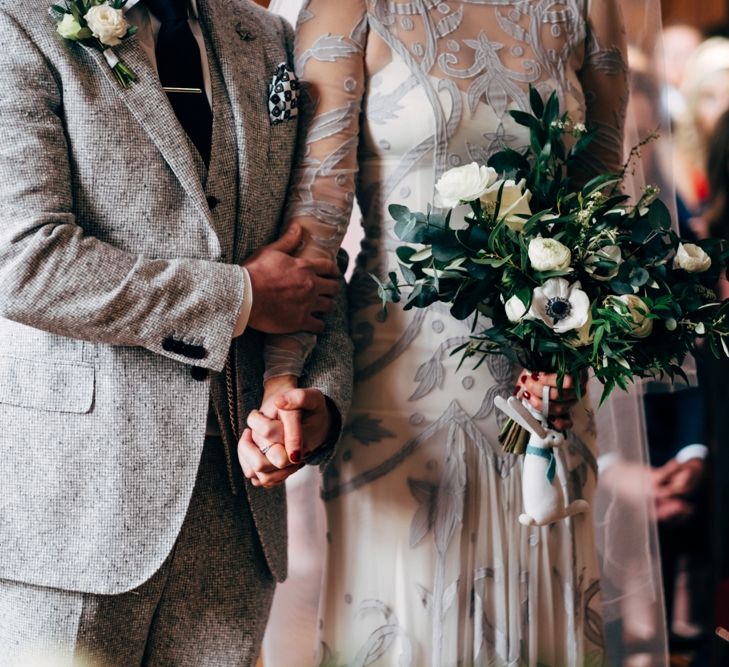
point(239, 48)
point(148, 103)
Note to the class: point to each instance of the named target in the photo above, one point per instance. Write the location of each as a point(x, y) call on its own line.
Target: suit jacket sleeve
point(57, 278)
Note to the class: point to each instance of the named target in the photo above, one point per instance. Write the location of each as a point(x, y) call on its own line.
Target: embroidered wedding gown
point(427, 563)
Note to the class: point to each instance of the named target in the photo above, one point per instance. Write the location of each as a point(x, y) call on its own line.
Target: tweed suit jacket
point(114, 284)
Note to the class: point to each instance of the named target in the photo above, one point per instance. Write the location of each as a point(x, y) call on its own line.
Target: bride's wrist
point(279, 384)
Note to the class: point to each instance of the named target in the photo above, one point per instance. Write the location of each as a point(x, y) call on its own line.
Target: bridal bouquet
point(561, 278)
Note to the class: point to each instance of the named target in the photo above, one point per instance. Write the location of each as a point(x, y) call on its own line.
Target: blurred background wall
point(702, 13)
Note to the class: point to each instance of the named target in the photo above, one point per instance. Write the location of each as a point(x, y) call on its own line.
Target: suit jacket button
point(199, 374)
point(194, 351)
point(212, 202)
point(169, 344)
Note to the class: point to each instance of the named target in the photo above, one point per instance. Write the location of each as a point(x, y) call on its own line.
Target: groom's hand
point(290, 293)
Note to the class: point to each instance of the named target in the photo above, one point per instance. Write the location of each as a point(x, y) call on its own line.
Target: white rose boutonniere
point(107, 24)
point(691, 258)
point(99, 24)
point(636, 311)
point(515, 198)
point(549, 255)
point(560, 305)
point(463, 185)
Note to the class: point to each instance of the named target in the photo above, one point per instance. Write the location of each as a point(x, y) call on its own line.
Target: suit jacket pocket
point(50, 385)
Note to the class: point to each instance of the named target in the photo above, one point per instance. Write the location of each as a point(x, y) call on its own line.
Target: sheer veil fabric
point(437, 92)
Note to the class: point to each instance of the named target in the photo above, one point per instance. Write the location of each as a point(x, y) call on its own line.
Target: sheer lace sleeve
point(330, 63)
point(604, 78)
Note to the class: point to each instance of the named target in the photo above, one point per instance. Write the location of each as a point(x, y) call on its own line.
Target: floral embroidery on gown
point(427, 563)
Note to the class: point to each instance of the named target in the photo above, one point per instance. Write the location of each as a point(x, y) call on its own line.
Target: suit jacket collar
point(238, 48)
point(148, 103)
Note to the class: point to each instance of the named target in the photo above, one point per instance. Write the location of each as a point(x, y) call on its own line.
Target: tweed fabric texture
point(108, 249)
point(200, 608)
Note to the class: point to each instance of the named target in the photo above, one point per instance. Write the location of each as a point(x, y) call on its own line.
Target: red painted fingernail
point(523, 378)
point(527, 395)
point(535, 376)
point(295, 456)
point(516, 391)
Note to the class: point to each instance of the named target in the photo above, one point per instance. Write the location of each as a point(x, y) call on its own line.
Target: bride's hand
point(531, 387)
point(270, 449)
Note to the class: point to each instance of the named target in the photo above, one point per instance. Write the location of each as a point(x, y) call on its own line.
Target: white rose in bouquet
point(515, 309)
point(463, 184)
point(560, 305)
point(611, 253)
point(549, 255)
point(641, 324)
point(107, 24)
point(691, 258)
point(515, 200)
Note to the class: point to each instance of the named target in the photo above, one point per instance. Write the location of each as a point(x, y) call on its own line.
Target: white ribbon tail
point(545, 402)
point(111, 58)
point(514, 408)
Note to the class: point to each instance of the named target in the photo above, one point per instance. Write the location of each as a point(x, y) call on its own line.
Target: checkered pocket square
point(283, 95)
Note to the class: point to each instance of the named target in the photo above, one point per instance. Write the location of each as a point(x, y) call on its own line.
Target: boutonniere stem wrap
point(99, 24)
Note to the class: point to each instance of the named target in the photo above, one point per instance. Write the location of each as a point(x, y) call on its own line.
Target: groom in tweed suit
point(138, 273)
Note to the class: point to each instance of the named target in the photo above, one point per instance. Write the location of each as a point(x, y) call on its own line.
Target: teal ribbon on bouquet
point(545, 454)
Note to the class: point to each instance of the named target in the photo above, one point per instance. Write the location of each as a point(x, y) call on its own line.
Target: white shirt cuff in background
point(692, 452)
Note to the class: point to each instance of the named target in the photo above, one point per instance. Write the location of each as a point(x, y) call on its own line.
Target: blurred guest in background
point(715, 223)
point(706, 94)
point(673, 51)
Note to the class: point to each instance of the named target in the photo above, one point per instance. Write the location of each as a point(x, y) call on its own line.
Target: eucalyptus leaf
point(422, 255)
point(400, 213)
point(405, 253)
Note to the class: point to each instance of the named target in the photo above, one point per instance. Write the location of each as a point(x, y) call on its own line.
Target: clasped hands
point(676, 486)
point(291, 424)
point(290, 294)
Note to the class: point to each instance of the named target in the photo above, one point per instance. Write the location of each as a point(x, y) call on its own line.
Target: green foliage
point(478, 268)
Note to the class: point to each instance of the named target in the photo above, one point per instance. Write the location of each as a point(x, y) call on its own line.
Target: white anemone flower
point(560, 305)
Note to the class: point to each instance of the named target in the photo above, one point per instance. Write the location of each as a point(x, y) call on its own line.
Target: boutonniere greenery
point(99, 24)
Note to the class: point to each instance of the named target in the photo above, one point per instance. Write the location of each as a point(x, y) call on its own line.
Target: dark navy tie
point(180, 67)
